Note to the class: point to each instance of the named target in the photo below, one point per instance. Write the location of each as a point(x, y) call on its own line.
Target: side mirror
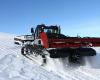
point(32, 30)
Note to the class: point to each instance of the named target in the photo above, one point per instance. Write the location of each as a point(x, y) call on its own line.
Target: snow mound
point(14, 66)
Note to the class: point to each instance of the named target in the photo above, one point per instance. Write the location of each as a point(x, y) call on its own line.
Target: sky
point(76, 17)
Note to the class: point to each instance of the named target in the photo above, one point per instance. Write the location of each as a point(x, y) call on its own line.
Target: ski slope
point(14, 66)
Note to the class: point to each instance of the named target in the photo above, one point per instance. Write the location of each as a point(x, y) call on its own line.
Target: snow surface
point(14, 66)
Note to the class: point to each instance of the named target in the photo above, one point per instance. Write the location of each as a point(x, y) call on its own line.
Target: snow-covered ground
point(14, 66)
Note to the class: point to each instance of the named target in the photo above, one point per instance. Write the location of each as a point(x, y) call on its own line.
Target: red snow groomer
point(48, 41)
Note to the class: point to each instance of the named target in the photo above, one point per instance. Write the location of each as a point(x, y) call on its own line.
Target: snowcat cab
point(47, 29)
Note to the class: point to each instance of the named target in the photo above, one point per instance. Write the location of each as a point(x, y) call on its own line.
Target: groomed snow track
point(14, 66)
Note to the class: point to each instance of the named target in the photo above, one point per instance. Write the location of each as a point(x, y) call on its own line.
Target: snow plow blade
point(65, 52)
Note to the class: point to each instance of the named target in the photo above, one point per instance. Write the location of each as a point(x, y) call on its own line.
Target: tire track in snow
point(91, 72)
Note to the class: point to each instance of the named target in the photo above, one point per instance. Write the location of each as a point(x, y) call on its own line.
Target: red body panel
point(74, 42)
point(44, 39)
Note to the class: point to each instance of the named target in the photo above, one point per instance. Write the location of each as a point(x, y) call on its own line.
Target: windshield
point(50, 30)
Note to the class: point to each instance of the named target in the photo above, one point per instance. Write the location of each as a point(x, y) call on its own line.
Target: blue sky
point(76, 17)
